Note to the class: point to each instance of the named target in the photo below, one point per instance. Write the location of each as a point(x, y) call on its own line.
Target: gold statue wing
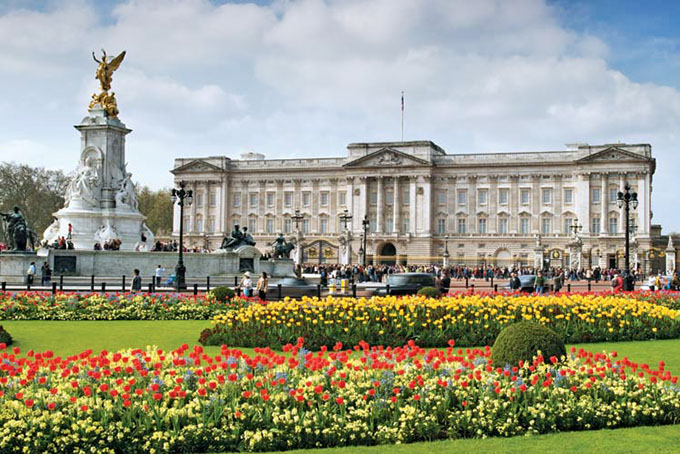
point(115, 63)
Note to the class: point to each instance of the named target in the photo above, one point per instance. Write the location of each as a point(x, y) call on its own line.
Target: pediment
point(388, 157)
point(197, 165)
point(613, 154)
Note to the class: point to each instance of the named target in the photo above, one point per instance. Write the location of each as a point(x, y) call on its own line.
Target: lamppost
point(365, 223)
point(181, 196)
point(445, 262)
point(297, 218)
point(625, 200)
point(345, 217)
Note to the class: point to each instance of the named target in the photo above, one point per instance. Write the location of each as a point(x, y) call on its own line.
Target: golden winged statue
point(104, 74)
point(106, 69)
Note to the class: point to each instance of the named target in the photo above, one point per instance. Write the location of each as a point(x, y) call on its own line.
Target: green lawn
point(66, 338)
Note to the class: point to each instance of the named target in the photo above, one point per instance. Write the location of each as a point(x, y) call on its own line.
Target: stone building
point(423, 204)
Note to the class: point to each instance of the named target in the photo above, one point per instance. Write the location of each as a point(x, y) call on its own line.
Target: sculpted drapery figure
point(84, 184)
point(126, 193)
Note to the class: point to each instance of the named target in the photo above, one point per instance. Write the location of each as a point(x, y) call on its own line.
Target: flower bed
point(470, 319)
point(149, 401)
point(111, 306)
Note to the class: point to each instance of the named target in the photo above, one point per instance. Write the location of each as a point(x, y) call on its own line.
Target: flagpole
point(402, 115)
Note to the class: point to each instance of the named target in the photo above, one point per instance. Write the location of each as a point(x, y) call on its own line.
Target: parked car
point(526, 282)
point(405, 284)
point(292, 287)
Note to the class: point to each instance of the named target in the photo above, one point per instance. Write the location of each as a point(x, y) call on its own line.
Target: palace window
point(568, 222)
point(502, 225)
point(324, 199)
point(288, 199)
point(342, 195)
point(441, 226)
point(441, 197)
point(407, 224)
point(269, 226)
point(323, 225)
point(213, 199)
point(524, 225)
point(595, 225)
point(389, 225)
point(237, 199)
point(547, 196)
point(503, 196)
point(374, 197)
point(613, 225)
point(462, 227)
point(613, 195)
point(187, 223)
point(305, 226)
point(595, 195)
point(199, 199)
point(211, 224)
point(546, 226)
point(372, 222)
point(482, 196)
point(306, 198)
point(481, 225)
point(199, 224)
point(524, 196)
point(253, 199)
point(251, 225)
point(462, 198)
point(406, 197)
point(568, 196)
point(270, 199)
point(287, 225)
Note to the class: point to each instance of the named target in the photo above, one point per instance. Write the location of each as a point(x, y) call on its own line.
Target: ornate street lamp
point(365, 223)
point(181, 196)
point(446, 256)
point(625, 200)
point(345, 217)
point(575, 227)
point(297, 218)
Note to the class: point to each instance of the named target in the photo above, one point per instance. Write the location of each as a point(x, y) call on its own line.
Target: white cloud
point(306, 77)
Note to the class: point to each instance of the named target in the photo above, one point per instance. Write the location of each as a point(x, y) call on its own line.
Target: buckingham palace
point(426, 206)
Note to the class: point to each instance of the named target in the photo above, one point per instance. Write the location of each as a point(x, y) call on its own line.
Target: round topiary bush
point(522, 341)
point(429, 292)
point(5, 337)
point(223, 294)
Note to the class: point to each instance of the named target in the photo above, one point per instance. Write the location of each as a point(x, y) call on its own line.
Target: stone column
point(492, 223)
point(206, 205)
point(333, 208)
point(297, 194)
point(622, 212)
point(472, 204)
point(513, 205)
point(427, 202)
point(278, 209)
point(192, 220)
point(224, 208)
point(643, 208)
point(604, 204)
point(315, 207)
point(583, 201)
point(379, 206)
point(557, 204)
point(245, 201)
point(535, 205)
point(396, 197)
point(351, 204)
point(670, 256)
point(363, 207)
point(412, 204)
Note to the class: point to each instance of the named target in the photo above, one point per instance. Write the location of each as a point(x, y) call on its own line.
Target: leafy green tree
point(37, 191)
point(157, 208)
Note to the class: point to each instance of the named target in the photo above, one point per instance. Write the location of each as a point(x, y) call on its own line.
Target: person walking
point(247, 285)
point(539, 283)
point(617, 284)
point(69, 235)
point(159, 275)
point(262, 286)
point(45, 274)
point(30, 273)
point(136, 284)
point(515, 283)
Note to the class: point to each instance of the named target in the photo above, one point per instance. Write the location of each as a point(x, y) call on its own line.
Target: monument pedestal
point(100, 200)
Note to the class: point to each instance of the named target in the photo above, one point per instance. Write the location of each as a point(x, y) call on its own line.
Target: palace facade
point(423, 204)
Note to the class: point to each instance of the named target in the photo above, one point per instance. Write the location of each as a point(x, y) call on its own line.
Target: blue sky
point(306, 77)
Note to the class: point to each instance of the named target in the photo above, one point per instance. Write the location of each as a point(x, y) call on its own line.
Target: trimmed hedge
point(522, 341)
point(5, 337)
point(429, 292)
point(223, 294)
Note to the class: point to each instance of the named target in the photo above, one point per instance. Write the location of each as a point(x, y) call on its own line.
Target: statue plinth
point(101, 204)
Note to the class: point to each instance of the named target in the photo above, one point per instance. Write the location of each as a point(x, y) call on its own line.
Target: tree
point(157, 207)
point(37, 191)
